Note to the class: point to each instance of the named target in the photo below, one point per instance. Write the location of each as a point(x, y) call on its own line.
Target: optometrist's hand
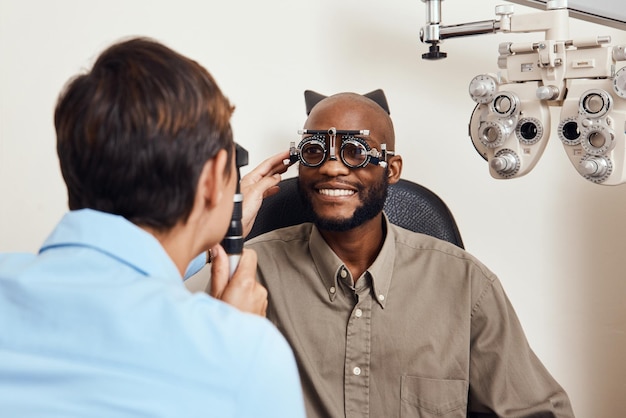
point(258, 184)
point(242, 291)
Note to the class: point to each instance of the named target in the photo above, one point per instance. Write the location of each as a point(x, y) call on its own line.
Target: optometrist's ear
point(214, 179)
point(394, 168)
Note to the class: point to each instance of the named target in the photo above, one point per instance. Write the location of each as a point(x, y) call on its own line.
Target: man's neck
point(358, 247)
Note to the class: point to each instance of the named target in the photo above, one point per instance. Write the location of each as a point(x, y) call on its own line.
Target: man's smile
point(336, 192)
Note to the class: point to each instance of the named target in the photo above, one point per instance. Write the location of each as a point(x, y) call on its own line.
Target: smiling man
point(385, 322)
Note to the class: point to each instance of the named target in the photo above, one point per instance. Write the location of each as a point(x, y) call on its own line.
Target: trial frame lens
point(313, 151)
point(354, 152)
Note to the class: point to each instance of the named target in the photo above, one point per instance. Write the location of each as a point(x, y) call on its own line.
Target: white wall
point(556, 241)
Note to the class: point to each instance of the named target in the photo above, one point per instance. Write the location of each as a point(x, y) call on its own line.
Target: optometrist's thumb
point(242, 291)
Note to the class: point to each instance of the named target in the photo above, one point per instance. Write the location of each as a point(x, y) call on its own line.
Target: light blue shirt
point(99, 324)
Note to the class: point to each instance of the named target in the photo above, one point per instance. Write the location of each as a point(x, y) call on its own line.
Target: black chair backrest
point(408, 205)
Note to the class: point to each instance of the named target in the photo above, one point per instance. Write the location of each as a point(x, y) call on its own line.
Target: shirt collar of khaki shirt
point(331, 267)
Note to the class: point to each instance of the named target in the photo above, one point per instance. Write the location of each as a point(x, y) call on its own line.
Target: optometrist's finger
point(258, 184)
point(269, 167)
point(243, 291)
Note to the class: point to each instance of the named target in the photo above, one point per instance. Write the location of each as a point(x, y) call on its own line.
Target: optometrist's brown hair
point(134, 133)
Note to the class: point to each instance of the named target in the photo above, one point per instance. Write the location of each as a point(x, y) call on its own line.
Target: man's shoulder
point(289, 234)
point(443, 250)
point(419, 240)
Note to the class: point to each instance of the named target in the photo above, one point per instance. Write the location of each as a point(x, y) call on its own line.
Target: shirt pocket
point(429, 398)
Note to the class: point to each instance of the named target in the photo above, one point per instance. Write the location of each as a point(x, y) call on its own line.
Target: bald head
point(348, 111)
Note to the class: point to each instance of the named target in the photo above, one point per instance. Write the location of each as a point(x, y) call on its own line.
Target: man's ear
point(213, 179)
point(394, 168)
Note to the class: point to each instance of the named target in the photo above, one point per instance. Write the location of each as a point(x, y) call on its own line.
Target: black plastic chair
point(408, 205)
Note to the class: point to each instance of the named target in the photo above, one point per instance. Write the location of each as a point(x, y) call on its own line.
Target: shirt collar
point(330, 266)
point(115, 236)
point(326, 261)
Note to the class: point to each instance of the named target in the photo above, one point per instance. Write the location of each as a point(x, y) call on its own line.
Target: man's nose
point(334, 166)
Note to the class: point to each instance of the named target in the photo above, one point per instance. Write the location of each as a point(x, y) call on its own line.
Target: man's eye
point(357, 152)
point(313, 151)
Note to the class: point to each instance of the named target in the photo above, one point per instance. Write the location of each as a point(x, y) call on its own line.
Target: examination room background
point(556, 240)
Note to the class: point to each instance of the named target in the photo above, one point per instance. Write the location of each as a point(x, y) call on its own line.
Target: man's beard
point(372, 203)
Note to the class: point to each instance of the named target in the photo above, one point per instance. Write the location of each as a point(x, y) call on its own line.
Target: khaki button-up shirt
point(426, 331)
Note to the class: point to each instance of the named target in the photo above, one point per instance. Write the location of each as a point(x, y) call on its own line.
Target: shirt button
point(332, 290)
point(358, 313)
point(381, 297)
point(356, 371)
point(343, 273)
